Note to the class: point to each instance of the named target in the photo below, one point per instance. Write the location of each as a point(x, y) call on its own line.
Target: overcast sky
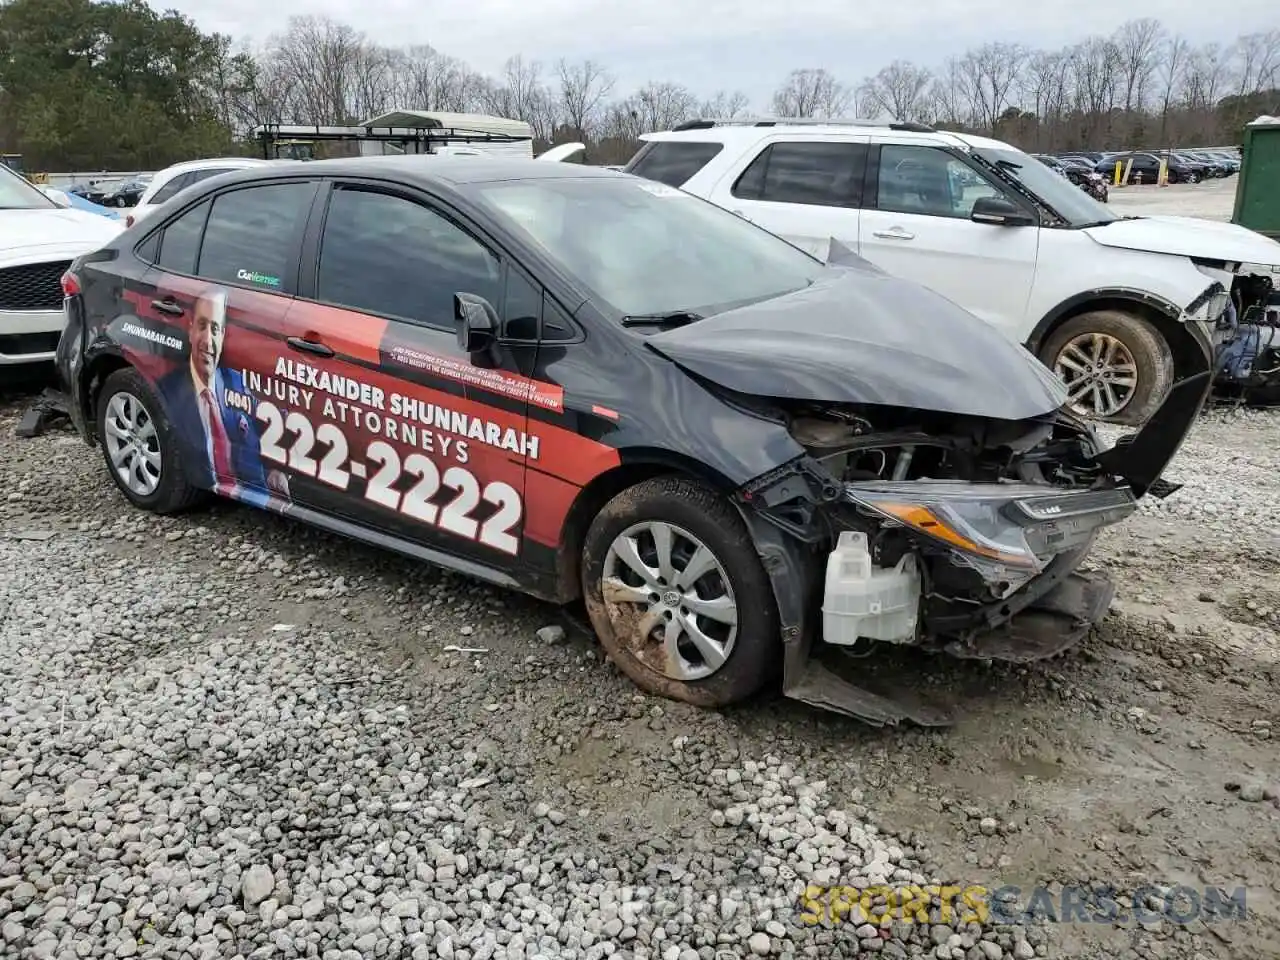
point(731, 44)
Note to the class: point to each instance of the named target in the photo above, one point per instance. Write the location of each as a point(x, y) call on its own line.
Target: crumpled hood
point(22, 229)
point(1189, 237)
point(859, 335)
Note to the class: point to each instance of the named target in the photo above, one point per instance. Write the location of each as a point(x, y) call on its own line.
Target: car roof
point(427, 169)
point(744, 133)
point(218, 162)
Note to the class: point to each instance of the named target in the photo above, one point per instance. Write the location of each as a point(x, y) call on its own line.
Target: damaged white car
point(1101, 299)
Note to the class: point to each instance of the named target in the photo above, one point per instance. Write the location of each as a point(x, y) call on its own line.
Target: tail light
point(70, 285)
point(128, 220)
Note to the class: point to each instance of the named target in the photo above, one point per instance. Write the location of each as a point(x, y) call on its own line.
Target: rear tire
point(1118, 367)
point(667, 633)
point(139, 445)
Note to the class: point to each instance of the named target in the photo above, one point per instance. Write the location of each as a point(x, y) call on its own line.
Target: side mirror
point(1001, 213)
point(477, 322)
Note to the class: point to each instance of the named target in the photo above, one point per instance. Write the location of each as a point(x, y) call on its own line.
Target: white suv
point(1101, 299)
point(172, 180)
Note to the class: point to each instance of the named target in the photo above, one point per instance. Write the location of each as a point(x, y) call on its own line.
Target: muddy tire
point(1118, 367)
point(139, 446)
point(677, 594)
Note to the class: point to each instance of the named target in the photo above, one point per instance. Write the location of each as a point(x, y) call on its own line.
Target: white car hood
point(1189, 237)
point(563, 152)
point(23, 230)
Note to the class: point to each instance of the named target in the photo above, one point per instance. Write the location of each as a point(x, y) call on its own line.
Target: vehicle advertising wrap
point(284, 403)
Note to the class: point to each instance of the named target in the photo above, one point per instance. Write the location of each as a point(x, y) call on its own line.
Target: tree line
point(86, 84)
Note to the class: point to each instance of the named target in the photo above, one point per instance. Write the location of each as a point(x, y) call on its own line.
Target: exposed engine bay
point(1248, 341)
point(957, 534)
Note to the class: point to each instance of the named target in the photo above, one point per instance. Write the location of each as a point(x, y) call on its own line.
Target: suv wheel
point(677, 594)
point(138, 444)
point(1117, 367)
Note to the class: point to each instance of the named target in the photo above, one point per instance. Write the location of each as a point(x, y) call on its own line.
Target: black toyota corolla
point(584, 385)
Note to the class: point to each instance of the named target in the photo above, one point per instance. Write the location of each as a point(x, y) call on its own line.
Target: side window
point(148, 251)
point(180, 241)
point(672, 162)
point(823, 174)
point(556, 325)
point(252, 234)
point(171, 188)
point(929, 182)
point(392, 256)
point(199, 175)
point(521, 307)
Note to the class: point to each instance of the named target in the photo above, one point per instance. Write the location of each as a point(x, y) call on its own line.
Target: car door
point(223, 272)
point(398, 430)
point(916, 224)
point(805, 190)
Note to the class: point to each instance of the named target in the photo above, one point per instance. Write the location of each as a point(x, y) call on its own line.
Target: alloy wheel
point(1099, 372)
point(669, 596)
point(133, 444)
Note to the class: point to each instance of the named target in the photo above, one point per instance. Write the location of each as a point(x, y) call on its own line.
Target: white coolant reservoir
point(862, 600)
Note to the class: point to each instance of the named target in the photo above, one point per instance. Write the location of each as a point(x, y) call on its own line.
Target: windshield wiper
point(675, 318)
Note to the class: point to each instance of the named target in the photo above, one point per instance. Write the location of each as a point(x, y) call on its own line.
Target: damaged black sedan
point(588, 386)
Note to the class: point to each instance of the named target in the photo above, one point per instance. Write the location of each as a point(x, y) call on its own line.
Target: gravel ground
point(226, 735)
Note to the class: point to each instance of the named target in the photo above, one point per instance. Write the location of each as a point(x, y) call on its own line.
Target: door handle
point(168, 305)
point(897, 233)
point(310, 346)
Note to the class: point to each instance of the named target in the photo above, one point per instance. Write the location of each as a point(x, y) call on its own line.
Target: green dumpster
point(1258, 186)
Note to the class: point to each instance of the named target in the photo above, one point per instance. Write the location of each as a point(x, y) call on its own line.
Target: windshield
point(17, 194)
point(648, 249)
point(1071, 203)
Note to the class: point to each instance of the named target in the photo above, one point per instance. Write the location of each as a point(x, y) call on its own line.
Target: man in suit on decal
point(227, 437)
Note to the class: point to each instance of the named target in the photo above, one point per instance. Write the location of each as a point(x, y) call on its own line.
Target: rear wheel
point(139, 445)
point(677, 594)
point(1116, 366)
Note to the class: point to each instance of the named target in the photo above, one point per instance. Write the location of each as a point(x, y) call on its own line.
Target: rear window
point(672, 162)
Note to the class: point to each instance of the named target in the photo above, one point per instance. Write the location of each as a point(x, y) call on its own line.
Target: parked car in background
point(1092, 156)
point(1201, 169)
point(1118, 307)
point(172, 180)
point(125, 193)
point(1145, 168)
point(1219, 165)
point(75, 201)
point(38, 241)
point(1079, 173)
point(91, 191)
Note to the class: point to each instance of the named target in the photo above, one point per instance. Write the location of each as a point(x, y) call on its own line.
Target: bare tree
point(1045, 89)
point(1204, 76)
point(1095, 73)
point(1175, 57)
point(1257, 61)
point(811, 93)
point(898, 90)
point(583, 88)
point(988, 77)
point(946, 100)
point(1139, 44)
point(724, 105)
point(522, 95)
point(1138, 87)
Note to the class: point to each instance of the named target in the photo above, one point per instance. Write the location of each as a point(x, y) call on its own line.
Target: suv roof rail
point(707, 123)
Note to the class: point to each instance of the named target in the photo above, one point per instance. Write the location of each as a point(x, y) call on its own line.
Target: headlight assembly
point(1019, 526)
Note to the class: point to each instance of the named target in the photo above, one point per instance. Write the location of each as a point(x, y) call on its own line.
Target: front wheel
point(1117, 367)
point(139, 445)
point(677, 594)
